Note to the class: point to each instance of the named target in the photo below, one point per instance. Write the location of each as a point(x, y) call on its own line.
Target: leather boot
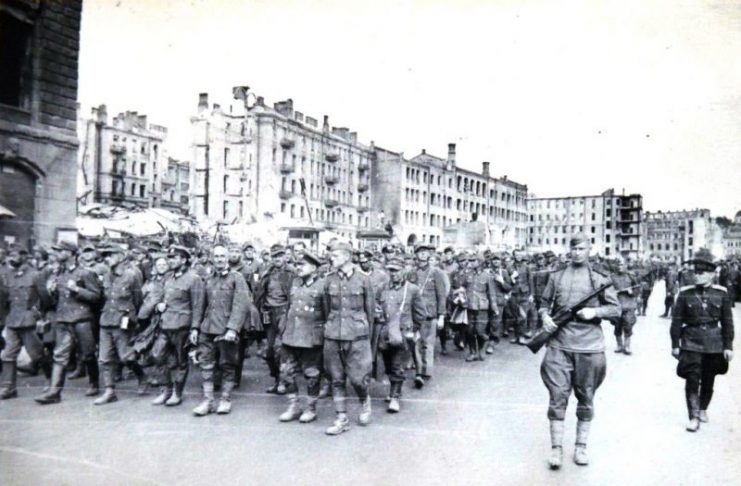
point(176, 397)
point(80, 371)
point(581, 458)
point(207, 405)
point(108, 396)
point(626, 349)
point(293, 411)
point(225, 403)
point(364, 418)
point(703, 416)
point(340, 425)
point(556, 458)
point(165, 394)
point(620, 348)
point(9, 376)
point(394, 404)
point(92, 372)
point(54, 394)
point(325, 390)
point(309, 414)
point(693, 407)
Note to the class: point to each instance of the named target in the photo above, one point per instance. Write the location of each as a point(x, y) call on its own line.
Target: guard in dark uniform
point(575, 357)
point(75, 291)
point(302, 337)
point(702, 338)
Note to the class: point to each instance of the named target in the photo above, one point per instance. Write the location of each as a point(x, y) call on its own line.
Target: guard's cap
point(179, 250)
point(701, 265)
point(423, 246)
point(395, 264)
point(277, 250)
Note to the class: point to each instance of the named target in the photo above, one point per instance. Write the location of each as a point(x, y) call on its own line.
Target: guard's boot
point(207, 405)
point(340, 425)
point(309, 414)
point(620, 346)
point(108, 396)
point(394, 405)
point(54, 394)
point(165, 394)
point(702, 416)
point(556, 458)
point(93, 379)
point(581, 458)
point(326, 390)
point(693, 407)
point(293, 411)
point(364, 417)
point(225, 403)
point(176, 398)
point(9, 376)
point(627, 350)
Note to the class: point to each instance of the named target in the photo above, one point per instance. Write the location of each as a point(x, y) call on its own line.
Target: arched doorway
point(17, 193)
point(412, 240)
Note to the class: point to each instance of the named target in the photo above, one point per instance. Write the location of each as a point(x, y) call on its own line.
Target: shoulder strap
point(403, 298)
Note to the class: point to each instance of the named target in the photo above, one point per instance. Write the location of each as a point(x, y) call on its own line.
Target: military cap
point(343, 246)
point(461, 257)
point(179, 249)
point(388, 248)
point(539, 256)
point(395, 264)
point(578, 239)
point(423, 246)
point(65, 245)
point(110, 249)
point(248, 245)
point(88, 247)
point(366, 252)
point(549, 254)
point(448, 249)
point(311, 258)
point(495, 256)
point(701, 265)
point(277, 250)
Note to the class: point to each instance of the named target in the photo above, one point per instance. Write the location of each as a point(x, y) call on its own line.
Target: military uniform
point(670, 281)
point(482, 306)
point(522, 297)
point(431, 282)
point(702, 328)
point(502, 287)
point(626, 286)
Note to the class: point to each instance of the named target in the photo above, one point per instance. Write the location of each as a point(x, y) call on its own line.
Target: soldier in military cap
point(75, 292)
point(431, 281)
point(271, 298)
point(482, 304)
point(702, 337)
point(350, 305)
point(302, 337)
point(252, 267)
point(502, 287)
point(575, 358)
point(627, 287)
point(19, 313)
point(118, 321)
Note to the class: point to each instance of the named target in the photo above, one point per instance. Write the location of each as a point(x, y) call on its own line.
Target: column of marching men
point(163, 310)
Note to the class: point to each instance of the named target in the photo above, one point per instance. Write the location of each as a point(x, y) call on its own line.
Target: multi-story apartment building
point(732, 238)
point(255, 163)
point(677, 235)
point(612, 221)
point(40, 42)
point(121, 162)
point(425, 196)
point(176, 186)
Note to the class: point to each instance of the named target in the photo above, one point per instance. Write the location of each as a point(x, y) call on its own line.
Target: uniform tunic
point(21, 311)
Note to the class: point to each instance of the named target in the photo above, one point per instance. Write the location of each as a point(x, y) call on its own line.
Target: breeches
point(563, 371)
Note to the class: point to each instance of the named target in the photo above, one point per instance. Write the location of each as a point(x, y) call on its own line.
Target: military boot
point(225, 403)
point(92, 372)
point(556, 458)
point(620, 348)
point(293, 411)
point(80, 370)
point(702, 416)
point(108, 396)
point(326, 390)
point(207, 405)
point(9, 376)
point(142, 387)
point(394, 403)
point(340, 425)
point(163, 397)
point(581, 458)
point(364, 417)
point(54, 394)
point(176, 398)
point(626, 349)
point(693, 407)
point(309, 414)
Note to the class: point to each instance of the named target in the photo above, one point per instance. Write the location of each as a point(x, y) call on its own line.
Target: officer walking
point(702, 338)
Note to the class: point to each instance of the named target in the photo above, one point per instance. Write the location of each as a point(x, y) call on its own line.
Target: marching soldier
point(302, 338)
point(75, 291)
point(181, 310)
point(450, 267)
point(431, 282)
point(671, 281)
point(123, 297)
point(482, 306)
point(575, 358)
point(522, 297)
point(502, 286)
point(626, 286)
point(227, 304)
point(350, 305)
point(402, 316)
point(19, 313)
point(251, 266)
point(702, 338)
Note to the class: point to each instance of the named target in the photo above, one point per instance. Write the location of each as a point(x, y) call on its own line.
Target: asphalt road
point(475, 423)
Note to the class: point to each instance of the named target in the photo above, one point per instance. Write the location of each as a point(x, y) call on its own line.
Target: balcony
point(286, 168)
point(287, 143)
point(118, 148)
point(283, 194)
point(362, 187)
point(363, 209)
point(363, 166)
point(331, 203)
point(330, 180)
point(332, 157)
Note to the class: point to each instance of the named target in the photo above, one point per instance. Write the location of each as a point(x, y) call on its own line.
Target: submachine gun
point(563, 317)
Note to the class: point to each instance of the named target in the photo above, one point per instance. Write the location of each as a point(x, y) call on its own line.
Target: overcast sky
point(570, 98)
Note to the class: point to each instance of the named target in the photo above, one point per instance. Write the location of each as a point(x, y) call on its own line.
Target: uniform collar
point(346, 276)
point(309, 279)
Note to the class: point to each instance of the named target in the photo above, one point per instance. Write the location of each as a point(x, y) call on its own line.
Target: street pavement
point(474, 423)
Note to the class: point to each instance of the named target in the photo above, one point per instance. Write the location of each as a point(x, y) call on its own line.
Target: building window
point(142, 168)
point(15, 61)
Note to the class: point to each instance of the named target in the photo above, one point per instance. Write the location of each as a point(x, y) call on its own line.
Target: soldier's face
point(517, 256)
point(364, 263)
point(113, 259)
point(704, 278)
point(234, 255)
point(279, 260)
point(473, 264)
point(249, 253)
point(161, 266)
point(434, 260)
point(395, 275)
point(422, 256)
point(579, 253)
point(339, 258)
point(495, 264)
point(220, 257)
point(306, 269)
point(176, 261)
